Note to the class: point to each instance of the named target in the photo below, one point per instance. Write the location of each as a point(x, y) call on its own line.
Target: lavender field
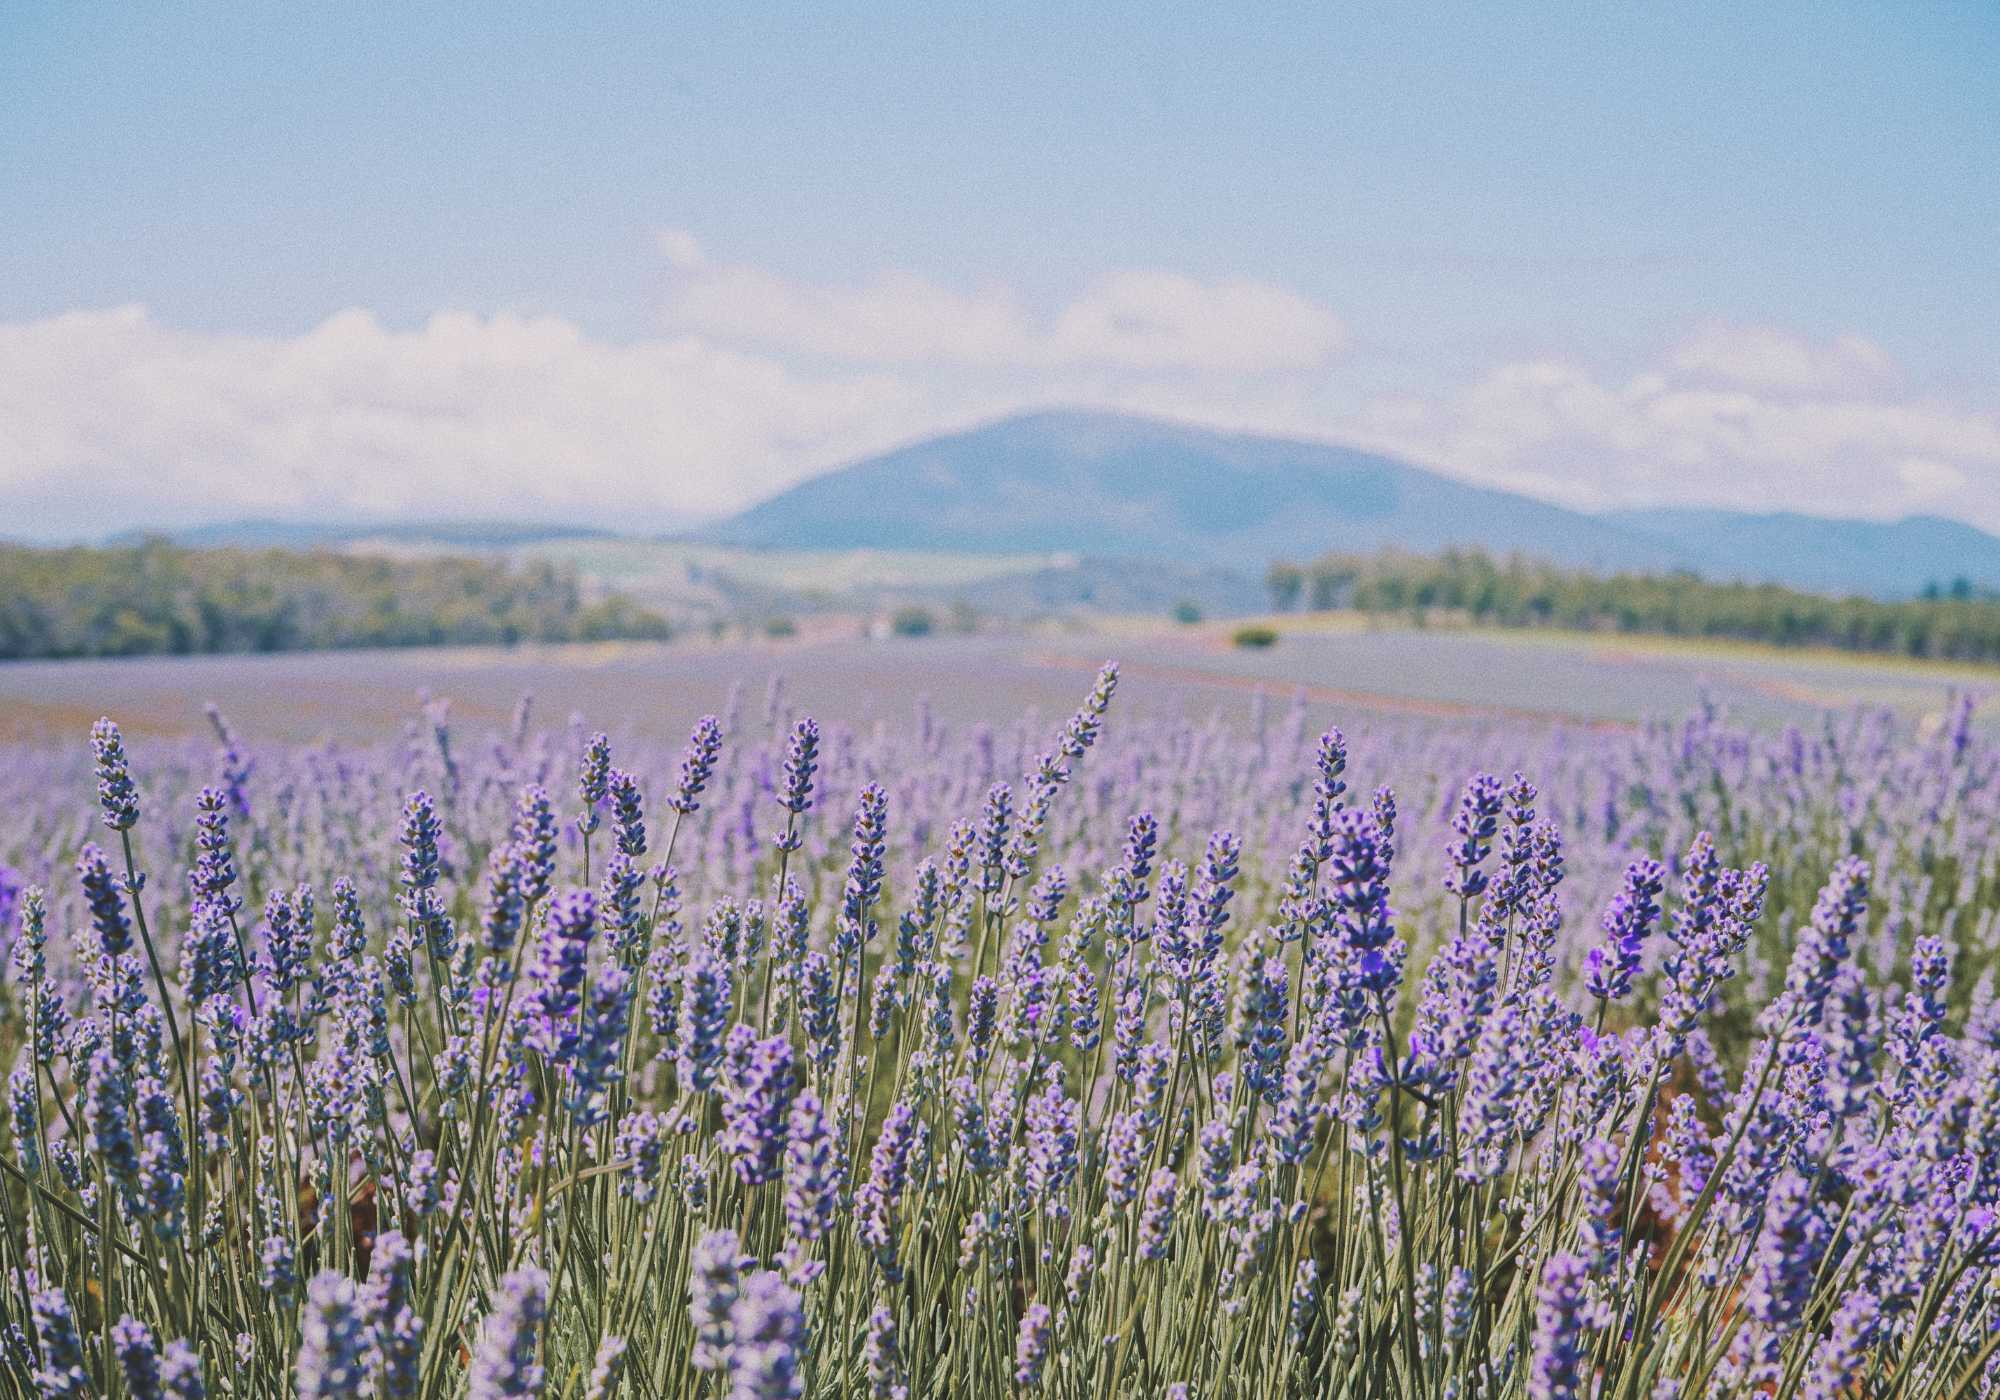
point(942, 1022)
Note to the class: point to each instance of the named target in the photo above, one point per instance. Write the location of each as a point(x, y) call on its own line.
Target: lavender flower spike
point(504, 1365)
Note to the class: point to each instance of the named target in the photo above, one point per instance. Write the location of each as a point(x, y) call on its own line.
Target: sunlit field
point(1385, 1013)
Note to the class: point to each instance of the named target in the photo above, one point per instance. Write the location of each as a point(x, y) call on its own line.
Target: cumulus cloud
point(1768, 358)
point(1135, 319)
point(1751, 418)
point(112, 416)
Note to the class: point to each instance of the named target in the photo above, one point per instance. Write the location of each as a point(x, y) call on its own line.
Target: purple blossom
point(1563, 1315)
point(504, 1360)
point(1634, 911)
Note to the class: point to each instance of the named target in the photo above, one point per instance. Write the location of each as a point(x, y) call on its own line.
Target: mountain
point(1110, 485)
point(1886, 558)
point(1113, 486)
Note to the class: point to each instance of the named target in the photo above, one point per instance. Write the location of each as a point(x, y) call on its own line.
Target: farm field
point(658, 689)
point(1417, 1004)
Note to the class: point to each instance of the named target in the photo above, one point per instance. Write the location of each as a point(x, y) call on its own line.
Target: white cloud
point(109, 416)
point(1756, 419)
point(1766, 357)
point(1133, 320)
point(1927, 479)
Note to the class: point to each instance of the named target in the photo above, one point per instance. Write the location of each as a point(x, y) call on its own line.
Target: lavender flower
point(607, 1370)
point(116, 794)
point(333, 1340)
point(883, 1357)
point(504, 1365)
point(714, 1285)
point(756, 1106)
point(767, 1323)
point(1563, 1314)
point(628, 813)
point(105, 895)
point(697, 765)
point(63, 1371)
point(1788, 1254)
point(1610, 966)
point(593, 781)
point(1826, 941)
point(1031, 1346)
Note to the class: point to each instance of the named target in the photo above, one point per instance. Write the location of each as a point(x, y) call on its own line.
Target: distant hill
point(1107, 485)
point(287, 534)
point(1881, 558)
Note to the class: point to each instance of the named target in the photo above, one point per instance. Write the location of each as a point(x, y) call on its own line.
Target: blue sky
point(604, 262)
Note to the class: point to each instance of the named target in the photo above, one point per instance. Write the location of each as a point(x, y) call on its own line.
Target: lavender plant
point(923, 1065)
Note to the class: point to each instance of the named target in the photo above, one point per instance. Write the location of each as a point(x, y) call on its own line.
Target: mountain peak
point(1104, 484)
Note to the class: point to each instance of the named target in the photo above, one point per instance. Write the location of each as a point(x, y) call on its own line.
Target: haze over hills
point(1112, 485)
point(1082, 490)
point(290, 534)
point(1892, 558)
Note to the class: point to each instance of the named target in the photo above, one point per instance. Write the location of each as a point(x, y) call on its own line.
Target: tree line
point(1950, 621)
point(159, 598)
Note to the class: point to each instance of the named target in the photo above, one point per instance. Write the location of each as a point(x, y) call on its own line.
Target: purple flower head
point(1826, 942)
point(63, 1371)
point(208, 955)
point(697, 765)
point(1497, 1083)
point(1634, 912)
point(1052, 1120)
point(704, 1015)
point(640, 1143)
point(334, 1353)
point(856, 926)
point(881, 1352)
point(506, 901)
point(236, 766)
point(105, 896)
point(801, 763)
point(600, 1040)
point(767, 1323)
point(180, 1373)
point(1563, 1317)
point(593, 780)
point(504, 1365)
point(1363, 922)
point(1031, 1346)
point(215, 865)
point(138, 1358)
point(1213, 891)
point(534, 842)
point(421, 830)
point(1295, 1118)
point(607, 1370)
point(1787, 1256)
point(628, 813)
point(116, 793)
point(1142, 839)
point(556, 979)
point(618, 908)
point(1473, 827)
point(1600, 1233)
point(756, 1109)
point(398, 1331)
point(1839, 1356)
point(1156, 1217)
point(811, 1185)
point(714, 1284)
